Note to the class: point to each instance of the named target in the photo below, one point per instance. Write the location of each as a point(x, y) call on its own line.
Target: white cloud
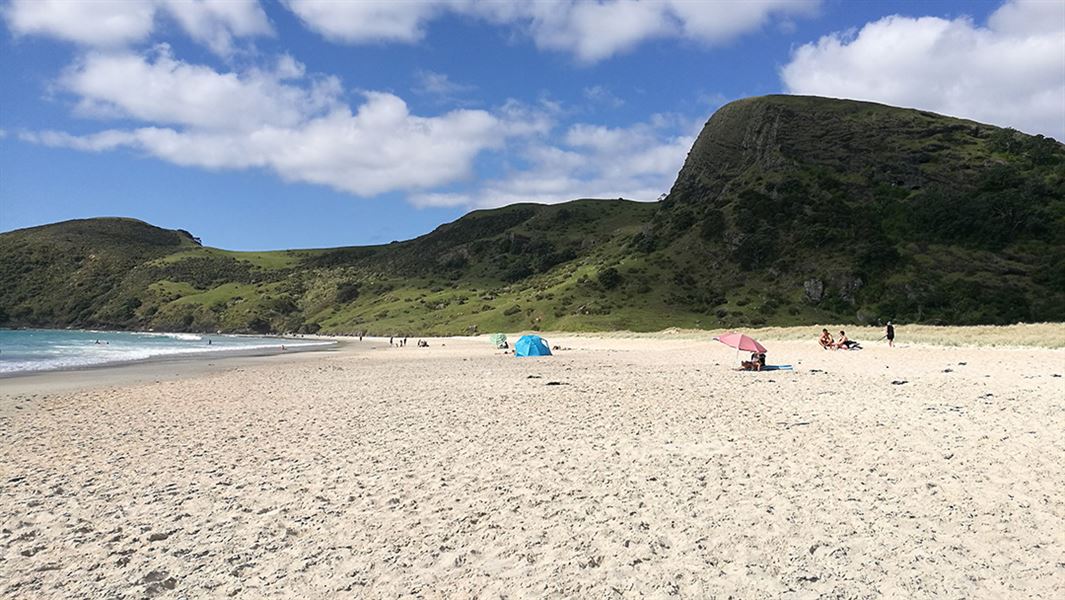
point(1025, 17)
point(366, 20)
point(1010, 72)
point(304, 127)
point(599, 94)
point(594, 31)
point(589, 30)
point(440, 200)
point(590, 161)
point(104, 23)
point(116, 23)
point(430, 82)
point(162, 89)
point(441, 88)
point(296, 125)
point(301, 127)
point(215, 23)
point(722, 21)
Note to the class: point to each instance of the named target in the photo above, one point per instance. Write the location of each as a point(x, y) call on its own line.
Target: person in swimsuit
point(845, 343)
point(890, 335)
point(826, 340)
point(755, 364)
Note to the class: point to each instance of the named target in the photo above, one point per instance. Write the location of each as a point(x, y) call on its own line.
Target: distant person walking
point(890, 335)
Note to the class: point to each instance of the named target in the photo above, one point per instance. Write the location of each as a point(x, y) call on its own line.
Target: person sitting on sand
point(755, 364)
point(826, 340)
point(847, 344)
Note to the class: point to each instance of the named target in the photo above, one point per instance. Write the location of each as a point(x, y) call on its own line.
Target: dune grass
point(1022, 335)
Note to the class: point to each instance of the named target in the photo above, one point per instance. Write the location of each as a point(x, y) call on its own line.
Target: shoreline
point(302, 344)
point(154, 368)
point(197, 363)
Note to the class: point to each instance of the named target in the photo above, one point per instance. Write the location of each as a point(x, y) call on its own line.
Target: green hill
point(869, 211)
point(788, 210)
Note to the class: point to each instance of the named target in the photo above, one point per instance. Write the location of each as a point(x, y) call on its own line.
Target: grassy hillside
point(519, 266)
point(870, 212)
point(788, 210)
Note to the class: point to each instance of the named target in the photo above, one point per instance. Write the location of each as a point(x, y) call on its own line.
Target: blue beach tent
point(531, 345)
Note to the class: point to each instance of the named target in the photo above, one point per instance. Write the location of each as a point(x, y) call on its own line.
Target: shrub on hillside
point(609, 278)
point(347, 292)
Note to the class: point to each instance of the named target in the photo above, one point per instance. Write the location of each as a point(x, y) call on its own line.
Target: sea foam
point(44, 350)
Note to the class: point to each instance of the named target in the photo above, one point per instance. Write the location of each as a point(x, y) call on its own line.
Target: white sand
point(651, 470)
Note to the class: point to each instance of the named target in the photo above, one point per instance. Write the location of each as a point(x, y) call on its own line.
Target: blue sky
point(299, 123)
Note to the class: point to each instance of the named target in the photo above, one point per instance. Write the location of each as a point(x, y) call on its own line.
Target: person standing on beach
point(890, 335)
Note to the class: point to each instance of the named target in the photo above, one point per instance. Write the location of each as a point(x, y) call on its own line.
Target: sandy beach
point(621, 467)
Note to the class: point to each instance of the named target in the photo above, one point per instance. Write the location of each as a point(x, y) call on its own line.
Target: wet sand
point(158, 368)
point(618, 468)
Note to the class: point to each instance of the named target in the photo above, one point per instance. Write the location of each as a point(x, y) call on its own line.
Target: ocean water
point(49, 349)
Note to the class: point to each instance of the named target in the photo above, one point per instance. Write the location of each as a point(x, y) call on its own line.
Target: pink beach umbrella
point(740, 341)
